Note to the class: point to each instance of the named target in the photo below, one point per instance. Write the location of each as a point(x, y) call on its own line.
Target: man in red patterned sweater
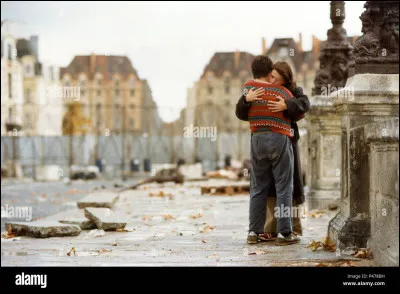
point(271, 155)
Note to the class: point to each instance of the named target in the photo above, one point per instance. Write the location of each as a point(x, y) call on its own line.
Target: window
point(132, 91)
point(28, 69)
point(66, 83)
point(9, 51)
point(283, 52)
point(27, 95)
point(98, 115)
point(132, 83)
point(210, 89)
point(51, 73)
point(132, 122)
point(9, 85)
point(98, 92)
point(117, 83)
point(99, 82)
point(227, 84)
point(117, 92)
point(132, 106)
point(28, 121)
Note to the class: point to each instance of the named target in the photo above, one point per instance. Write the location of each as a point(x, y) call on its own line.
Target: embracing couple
point(273, 104)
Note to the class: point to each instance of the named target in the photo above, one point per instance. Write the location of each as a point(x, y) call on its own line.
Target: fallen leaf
point(314, 245)
point(44, 195)
point(101, 250)
point(207, 229)
point(168, 216)
point(365, 253)
point(203, 241)
point(9, 234)
point(124, 230)
point(196, 215)
point(329, 245)
point(33, 194)
point(321, 265)
point(257, 252)
point(346, 263)
point(115, 244)
point(72, 250)
point(147, 217)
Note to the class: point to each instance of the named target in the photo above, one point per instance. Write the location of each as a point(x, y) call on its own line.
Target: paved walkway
point(188, 230)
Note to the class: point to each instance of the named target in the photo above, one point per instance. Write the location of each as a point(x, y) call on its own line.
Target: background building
point(11, 83)
point(42, 108)
point(112, 96)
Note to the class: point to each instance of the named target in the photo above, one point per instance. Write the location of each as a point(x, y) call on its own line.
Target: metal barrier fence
point(118, 147)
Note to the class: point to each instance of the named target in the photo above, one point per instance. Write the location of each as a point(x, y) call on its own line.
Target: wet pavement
point(185, 229)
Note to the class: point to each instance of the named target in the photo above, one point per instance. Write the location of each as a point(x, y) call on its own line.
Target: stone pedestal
point(324, 167)
point(366, 100)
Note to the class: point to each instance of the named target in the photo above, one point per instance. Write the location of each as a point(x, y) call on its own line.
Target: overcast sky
point(170, 43)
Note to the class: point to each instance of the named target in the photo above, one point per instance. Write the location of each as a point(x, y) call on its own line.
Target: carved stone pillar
point(324, 122)
point(369, 136)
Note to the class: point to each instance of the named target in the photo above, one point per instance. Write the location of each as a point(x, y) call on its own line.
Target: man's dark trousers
point(272, 158)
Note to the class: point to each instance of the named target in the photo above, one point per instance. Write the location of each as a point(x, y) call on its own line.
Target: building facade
point(112, 97)
point(11, 84)
point(42, 107)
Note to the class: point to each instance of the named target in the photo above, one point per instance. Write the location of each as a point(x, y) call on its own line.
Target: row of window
point(99, 83)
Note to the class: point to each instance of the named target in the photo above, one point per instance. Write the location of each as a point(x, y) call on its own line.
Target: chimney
point(34, 40)
point(264, 46)
point(92, 63)
point(237, 59)
point(315, 47)
point(300, 43)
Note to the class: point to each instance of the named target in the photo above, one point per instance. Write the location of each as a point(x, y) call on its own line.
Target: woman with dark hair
point(294, 109)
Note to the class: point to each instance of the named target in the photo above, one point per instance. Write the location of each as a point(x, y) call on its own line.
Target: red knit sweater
point(259, 113)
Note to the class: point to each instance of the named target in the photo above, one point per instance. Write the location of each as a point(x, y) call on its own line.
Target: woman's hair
point(287, 74)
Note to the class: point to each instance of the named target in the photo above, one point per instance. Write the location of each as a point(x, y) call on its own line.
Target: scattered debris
point(147, 217)
point(161, 194)
point(317, 213)
point(102, 250)
point(115, 244)
point(257, 252)
point(105, 218)
point(9, 234)
point(222, 174)
point(43, 229)
point(99, 199)
point(364, 253)
point(96, 233)
point(167, 216)
point(72, 250)
point(227, 189)
point(314, 245)
point(333, 206)
point(124, 230)
point(207, 229)
point(196, 215)
point(329, 245)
